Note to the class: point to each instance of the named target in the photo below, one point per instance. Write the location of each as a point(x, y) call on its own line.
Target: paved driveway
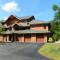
point(20, 51)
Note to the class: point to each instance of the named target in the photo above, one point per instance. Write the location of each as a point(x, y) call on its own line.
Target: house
point(24, 29)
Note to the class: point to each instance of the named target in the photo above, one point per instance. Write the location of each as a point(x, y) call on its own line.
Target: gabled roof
point(20, 18)
point(25, 17)
point(11, 17)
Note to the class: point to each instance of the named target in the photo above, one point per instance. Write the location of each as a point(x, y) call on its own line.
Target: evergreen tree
point(55, 24)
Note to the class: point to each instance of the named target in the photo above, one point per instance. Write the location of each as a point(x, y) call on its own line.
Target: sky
point(41, 9)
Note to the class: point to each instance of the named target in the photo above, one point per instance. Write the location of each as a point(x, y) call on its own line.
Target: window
point(44, 26)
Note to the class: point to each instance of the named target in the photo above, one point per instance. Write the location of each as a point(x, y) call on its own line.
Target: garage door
point(40, 39)
point(27, 38)
point(1, 38)
point(19, 38)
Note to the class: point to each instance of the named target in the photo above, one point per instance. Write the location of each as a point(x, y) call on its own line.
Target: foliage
point(55, 24)
point(2, 29)
point(50, 40)
point(56, 8)
point(51, 50)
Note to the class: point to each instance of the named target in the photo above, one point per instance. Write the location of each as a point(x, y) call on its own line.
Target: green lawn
point(51, 50)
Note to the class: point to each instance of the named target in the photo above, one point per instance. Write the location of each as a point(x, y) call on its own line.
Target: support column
point(8, 38)
point(45, 38)
point(15, 37)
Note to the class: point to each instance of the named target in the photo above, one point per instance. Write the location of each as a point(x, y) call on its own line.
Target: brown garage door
point(19, 38)
point(40, 39)
point(27, 38)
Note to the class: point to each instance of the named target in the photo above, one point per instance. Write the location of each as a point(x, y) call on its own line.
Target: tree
point(56, 8)
point(2, 29)
point(55, 24)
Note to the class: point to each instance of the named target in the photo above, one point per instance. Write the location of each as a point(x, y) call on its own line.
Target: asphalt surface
point(20, 51)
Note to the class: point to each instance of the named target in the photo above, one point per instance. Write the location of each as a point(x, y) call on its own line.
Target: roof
point(33, 22)
point(25, 31)
point(23, 24)
point(6, 32)
point(27, 24)
point(25, 17)
point(2, 21)
point(31, 31)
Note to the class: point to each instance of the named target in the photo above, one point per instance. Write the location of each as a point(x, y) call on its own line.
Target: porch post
point(8, 38)
point(45, 38)
point(24, 37)
point(15, 37)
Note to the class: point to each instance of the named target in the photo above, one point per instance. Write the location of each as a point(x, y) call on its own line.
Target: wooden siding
point(39, 27)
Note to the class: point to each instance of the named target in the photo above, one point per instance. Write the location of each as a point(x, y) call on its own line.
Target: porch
point(29, 38)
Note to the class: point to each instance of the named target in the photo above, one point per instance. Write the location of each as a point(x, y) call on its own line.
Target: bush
point(2, 29)
point(51, 40)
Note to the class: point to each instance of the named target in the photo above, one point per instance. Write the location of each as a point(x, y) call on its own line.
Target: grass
point(51, 50)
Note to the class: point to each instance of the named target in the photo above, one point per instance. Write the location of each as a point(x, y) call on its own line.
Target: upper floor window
point(44, 26)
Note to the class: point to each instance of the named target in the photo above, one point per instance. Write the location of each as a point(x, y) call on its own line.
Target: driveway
point(20, 51)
